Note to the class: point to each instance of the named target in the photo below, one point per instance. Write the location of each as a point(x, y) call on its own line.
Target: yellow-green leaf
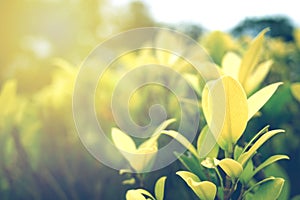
point(9, 102)
point(143, 158)
point(146, 193)
point(251, 57)
point(182, 140)
point(194, 81)
point(225, 108)
point(134, 195)
point(295, 87)
point(160, 188)
point(231, 167)
point(257, 184)
point(268, 162)
point(204, 190)
point(130, 181)
point(269, 189)
point(258, 75)
point(122, 141)
point(186, 175)
point(206, 144)
point(248, 154)
point(231, 64)
point(210, 162)
point(138, 158)
point(258, 99)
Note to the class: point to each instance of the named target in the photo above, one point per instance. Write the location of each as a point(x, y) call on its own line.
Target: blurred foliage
point(281, 26)
point(41, 156)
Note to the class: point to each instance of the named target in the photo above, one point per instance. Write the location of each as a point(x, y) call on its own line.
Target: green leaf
point(258, 99)
point(251, 57)
point(268, 162)
point(182, 140)
point(295, 88)
point(204, 190)
point(276, 170)
point(257, 184)
point(160, 188)
point(246, 176)
point(247, 155)
point(237, 152)
point(191, 163)
point(231, 167)
point(206, 144)
point(225, 108)
point(269, 189)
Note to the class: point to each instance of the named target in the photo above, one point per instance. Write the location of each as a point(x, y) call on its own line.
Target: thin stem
point(229, 152)
point(221, 181)
point(241, 193)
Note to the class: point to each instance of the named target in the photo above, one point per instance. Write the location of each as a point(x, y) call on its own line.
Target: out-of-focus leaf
point(158, 131)
point(257, 100)
point(225, 108)
point(295, 88)
point(160, 188)
point(122, 141)
point(130, 181)
point(276, 106)
point(206, 144)
point(276, 170)
point(139, 158)
point(142, 157)
point(251, 57)
point(194, 81)
point(296, 197)
point(231, 65)
point(182, 140)
point(248, 154)
point(218, 43)
point(231, 167)
point(257, 77)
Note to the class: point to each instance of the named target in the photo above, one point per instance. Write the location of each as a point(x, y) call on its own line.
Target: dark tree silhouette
point(280, 26)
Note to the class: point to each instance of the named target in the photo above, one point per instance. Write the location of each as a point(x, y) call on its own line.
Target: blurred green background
point(42, 44)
